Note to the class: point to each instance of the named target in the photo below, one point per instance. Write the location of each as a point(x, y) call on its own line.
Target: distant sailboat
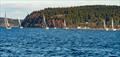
point(113, 26)
point(65, 26)
point(86, 26)
point(54, 24)
point(78, 27)
point(46, 27)
point(19, 21)
point(105, 25)
point(7, 25)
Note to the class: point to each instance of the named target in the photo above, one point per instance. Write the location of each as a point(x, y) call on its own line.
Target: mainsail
point(54, 24)
point(113, 25)
point(45, 22)
point(19, 21)
point(105, 25)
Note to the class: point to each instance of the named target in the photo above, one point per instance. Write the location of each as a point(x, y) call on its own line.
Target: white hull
point(8, 27)
point(21, 27)
point(78, 27)
point(114, 29)
point(86, 28)
point(66, 28)
point(47, 28)
point(55, 28)
point(106, 29)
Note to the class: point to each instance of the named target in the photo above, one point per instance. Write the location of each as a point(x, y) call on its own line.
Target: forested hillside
point(75, 16)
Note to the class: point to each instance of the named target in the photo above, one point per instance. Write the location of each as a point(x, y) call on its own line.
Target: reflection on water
point(38, 42)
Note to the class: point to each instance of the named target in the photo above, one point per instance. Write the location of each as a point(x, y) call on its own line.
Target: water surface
point(36, 42)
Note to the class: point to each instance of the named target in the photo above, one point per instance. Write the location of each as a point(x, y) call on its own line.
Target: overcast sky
point(20, 8)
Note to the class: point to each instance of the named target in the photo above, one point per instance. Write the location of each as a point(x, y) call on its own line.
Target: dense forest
point(91, 16)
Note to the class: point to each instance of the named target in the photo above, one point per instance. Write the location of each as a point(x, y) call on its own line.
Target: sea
point(38, 42)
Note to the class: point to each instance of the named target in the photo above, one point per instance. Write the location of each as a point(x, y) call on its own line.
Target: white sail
point(7, 25)
point(65, 26)
point(105, 25)
point(19, 21)
point(64, 23)
point(45, 22)
point(78, 27)
point(113, 25)
point(54, 24)
point(86, 25)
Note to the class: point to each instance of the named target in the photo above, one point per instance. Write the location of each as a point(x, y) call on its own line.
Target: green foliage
point(82, 14)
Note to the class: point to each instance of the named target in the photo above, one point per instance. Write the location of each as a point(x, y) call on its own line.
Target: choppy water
point(36, 42)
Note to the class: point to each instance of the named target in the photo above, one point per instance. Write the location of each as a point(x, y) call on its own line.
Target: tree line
point(75, 16)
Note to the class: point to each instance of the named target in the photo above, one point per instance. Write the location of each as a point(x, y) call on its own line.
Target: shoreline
point(109, 29)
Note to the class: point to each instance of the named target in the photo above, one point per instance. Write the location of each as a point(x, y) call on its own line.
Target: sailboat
point(105, 25)
point(86, 26)
point(65, 27)
point(78, 27)
point(46, 27)
point(54, 24)
point(19, 21)
point(7, 25)
point(113, 26)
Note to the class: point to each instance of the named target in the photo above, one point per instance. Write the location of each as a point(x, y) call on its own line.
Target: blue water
point(36, 42)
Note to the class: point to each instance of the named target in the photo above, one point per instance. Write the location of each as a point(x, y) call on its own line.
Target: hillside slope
point(74, 16)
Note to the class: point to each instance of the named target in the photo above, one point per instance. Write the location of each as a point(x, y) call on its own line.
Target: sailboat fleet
point(112, 25)
point(8, 26)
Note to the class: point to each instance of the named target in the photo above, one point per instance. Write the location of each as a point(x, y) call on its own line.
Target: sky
point(20, 8)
